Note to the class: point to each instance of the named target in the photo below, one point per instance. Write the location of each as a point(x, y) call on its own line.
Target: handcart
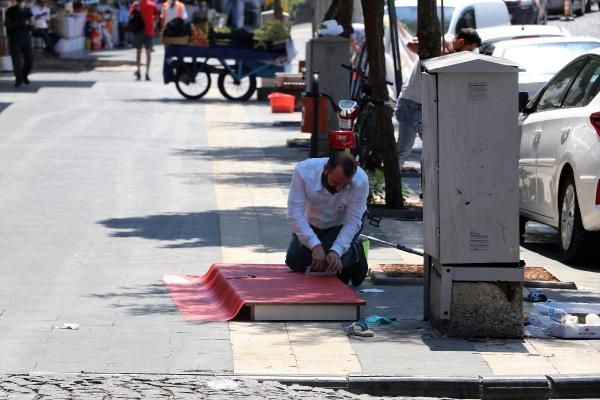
point(190, 67)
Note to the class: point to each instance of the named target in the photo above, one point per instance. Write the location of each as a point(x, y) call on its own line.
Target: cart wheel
point(239, 91)
point(192, 87)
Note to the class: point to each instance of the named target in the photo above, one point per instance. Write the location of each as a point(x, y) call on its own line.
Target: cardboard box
point(69, 26)
point(70, 45)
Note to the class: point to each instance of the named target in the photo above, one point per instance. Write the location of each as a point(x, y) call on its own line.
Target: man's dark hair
point(345, 160)
point(469, 35)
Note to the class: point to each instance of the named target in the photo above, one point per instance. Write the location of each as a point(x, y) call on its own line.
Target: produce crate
point(175, 40)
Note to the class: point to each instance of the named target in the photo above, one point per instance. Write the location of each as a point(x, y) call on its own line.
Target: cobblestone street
point(58, 387)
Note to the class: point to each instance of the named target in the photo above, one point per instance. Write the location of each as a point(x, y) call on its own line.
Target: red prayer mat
point(219, 294)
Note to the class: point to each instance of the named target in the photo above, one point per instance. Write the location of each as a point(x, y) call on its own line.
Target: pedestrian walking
point(41, 18)
point(408, 107)
point(144, 37)
point(18, 29)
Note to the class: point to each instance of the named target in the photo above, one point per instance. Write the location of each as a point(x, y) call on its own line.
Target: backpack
point(135, 23)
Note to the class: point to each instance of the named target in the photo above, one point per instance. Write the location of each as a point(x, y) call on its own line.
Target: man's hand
point(318, 259)
point(334, 263)
point(413, 45)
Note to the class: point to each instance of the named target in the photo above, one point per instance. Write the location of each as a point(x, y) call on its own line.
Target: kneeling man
point(326, 204)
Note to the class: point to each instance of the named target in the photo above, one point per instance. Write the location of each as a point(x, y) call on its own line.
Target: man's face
point(336, 178)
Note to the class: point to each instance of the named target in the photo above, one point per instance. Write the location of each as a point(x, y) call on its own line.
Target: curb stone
point(550, 285)
point(381, 278)
point(506, 387)
point(574, 386)
point(459, 387)
point(409, 213)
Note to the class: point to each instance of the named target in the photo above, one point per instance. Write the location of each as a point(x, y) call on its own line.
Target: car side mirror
point(523, 100)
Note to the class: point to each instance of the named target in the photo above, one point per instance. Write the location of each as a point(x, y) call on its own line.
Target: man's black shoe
point(358, 272)
point(17, 84)
point(26, 80)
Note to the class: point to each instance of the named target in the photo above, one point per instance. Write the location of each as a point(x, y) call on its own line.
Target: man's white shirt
point(311, 204)
point(41, 22)
point(411, 90)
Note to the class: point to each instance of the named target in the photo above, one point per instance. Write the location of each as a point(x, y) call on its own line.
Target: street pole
point(395, 48)
point(314, 137)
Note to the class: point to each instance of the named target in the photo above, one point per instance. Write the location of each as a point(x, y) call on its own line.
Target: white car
point(495, 34)
point(559, 162)
point(541, 57)
point(457, 14)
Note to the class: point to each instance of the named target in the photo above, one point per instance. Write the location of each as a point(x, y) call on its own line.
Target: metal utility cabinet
point(470, 166)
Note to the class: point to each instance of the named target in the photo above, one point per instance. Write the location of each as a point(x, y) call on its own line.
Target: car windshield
point(547, 58)
point(408, 16)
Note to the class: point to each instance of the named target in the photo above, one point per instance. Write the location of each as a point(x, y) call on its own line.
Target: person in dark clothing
point(18, 28)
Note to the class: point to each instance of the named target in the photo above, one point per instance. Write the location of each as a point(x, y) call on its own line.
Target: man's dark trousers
point(299, 257)
point(22, 59)
point(50, 39)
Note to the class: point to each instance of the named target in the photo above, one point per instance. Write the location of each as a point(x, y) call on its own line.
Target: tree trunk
point(332, 10)
point(277, 10)
point(373, 16)
point(428, 30)
point(344, 16)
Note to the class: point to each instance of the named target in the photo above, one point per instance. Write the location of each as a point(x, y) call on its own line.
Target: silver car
point(559, 163)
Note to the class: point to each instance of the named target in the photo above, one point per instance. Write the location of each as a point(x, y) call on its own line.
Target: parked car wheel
point(572, 233)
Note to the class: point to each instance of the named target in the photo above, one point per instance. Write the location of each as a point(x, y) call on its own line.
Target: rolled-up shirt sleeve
point(353, 217)
point(296, 212)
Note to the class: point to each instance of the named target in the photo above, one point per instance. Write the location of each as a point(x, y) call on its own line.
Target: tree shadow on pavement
point(181, 101)
point(199, 229)
point(255, 179)
point(34, 86)
point(141, 299)
point(280, 154)
point(261, 126)
point(4, 106)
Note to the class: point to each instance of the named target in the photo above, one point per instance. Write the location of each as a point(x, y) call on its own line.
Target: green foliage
point(272, 31)
point(295, 6)
point(377, 187)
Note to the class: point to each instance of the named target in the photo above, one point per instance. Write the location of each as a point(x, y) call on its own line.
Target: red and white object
point(345, 139)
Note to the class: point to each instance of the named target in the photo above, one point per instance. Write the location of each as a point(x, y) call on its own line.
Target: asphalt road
point(587, 25)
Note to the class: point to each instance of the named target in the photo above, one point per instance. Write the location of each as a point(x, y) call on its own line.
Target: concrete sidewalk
point(251, 171)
